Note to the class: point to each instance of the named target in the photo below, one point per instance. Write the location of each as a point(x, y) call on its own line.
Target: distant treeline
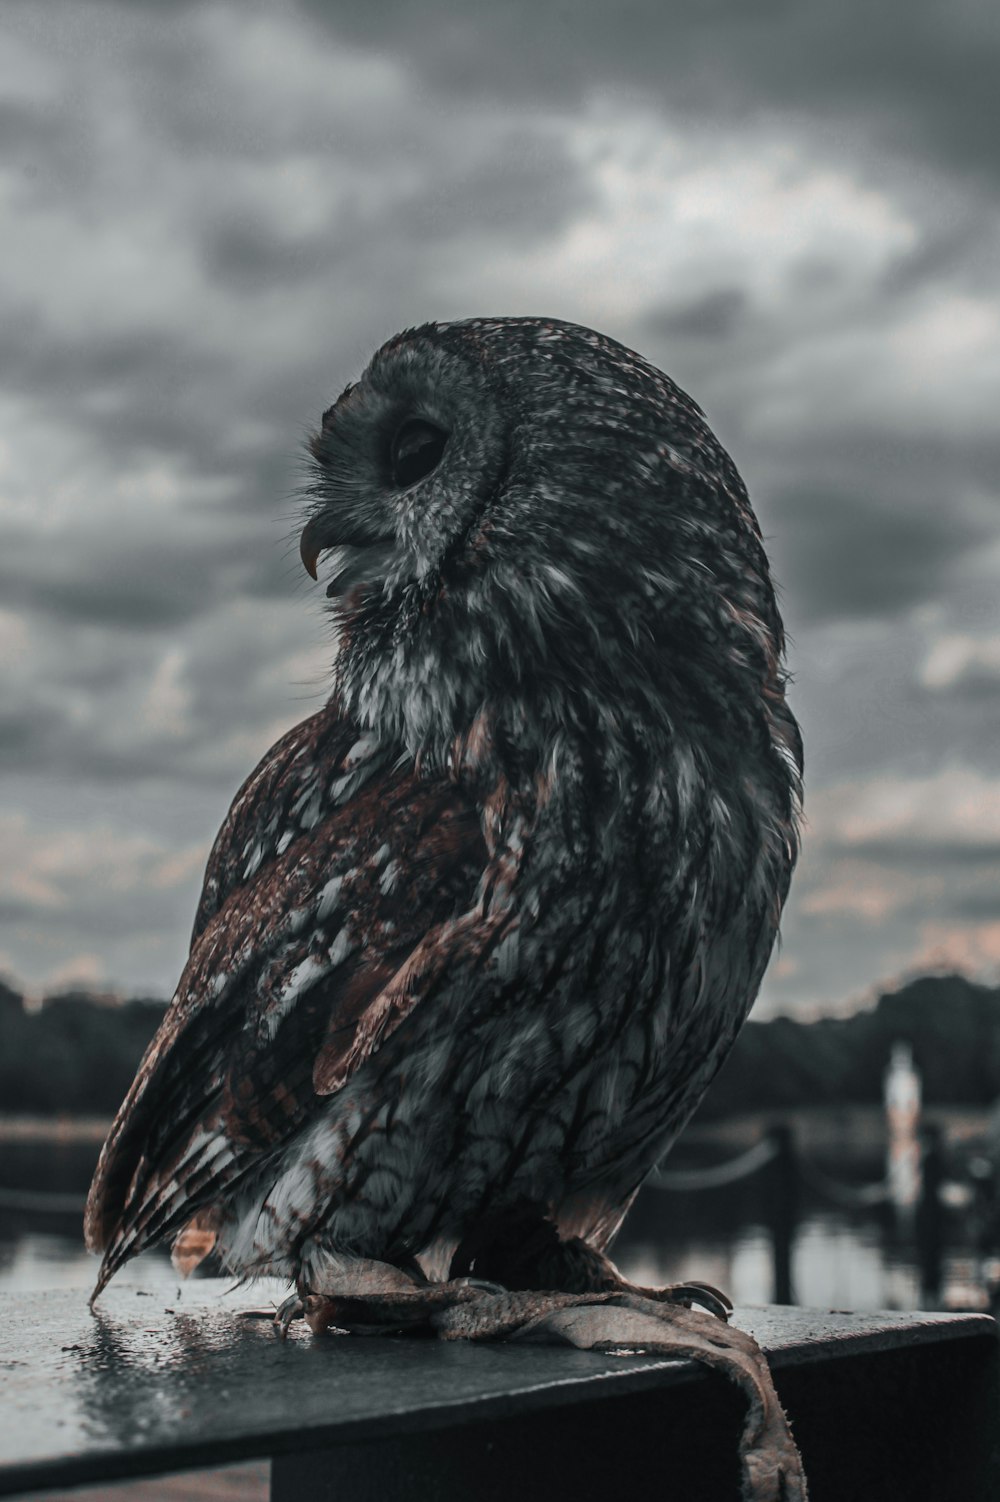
point(75, 1056)
point(77, 1053)
point(952, 1024)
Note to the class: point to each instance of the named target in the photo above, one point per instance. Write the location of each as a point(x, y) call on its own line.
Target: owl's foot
point(520, 1248)
point(388, 1313)
point(493, 1294)
point(627, 1322)
point(363, 1297)
point(623, 1322)
point(597, 1309)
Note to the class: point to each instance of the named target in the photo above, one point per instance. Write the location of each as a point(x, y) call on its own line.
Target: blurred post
point(902, 1096)
point(784, 1196)
point(930, 1218)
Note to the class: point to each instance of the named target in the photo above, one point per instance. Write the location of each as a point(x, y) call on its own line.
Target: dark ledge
point(152, 1383)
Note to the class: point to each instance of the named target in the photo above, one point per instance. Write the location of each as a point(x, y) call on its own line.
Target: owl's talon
point(287, 1312)
point(692, 1293)
point(484, 1285)
point(397, 1311)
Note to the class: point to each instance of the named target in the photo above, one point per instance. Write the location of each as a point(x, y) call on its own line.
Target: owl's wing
point(336, 890)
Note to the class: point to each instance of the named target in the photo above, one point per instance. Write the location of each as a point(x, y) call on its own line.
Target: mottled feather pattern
point(284, 976)
point(481, 932)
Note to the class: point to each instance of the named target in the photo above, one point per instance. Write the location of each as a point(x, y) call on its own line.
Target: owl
point(475, 938)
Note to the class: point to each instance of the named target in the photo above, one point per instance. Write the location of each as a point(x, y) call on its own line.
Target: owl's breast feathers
point(348, 889)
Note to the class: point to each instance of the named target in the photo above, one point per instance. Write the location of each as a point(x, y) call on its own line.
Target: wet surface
point(153, 1380)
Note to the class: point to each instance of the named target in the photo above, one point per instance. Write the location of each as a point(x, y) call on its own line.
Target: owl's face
point(406, 459)
point(521, 511)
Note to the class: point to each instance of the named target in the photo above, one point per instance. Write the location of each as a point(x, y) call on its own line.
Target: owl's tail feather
point(160, 1205)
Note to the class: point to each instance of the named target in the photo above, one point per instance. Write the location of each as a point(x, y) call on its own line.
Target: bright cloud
point(957, 658)
point(954, 804)
point(676, 213)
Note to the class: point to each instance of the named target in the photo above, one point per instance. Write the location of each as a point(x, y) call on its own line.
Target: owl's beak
point(311, 544)
point(325, 531)
point(362, 556)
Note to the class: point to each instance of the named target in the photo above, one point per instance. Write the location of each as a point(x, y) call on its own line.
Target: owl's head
point(525, 516)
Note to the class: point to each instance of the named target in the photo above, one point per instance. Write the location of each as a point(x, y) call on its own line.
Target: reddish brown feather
point(356, 1000)
point(213, 1066)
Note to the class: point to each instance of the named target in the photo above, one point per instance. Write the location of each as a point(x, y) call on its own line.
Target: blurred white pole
point(902, 1112)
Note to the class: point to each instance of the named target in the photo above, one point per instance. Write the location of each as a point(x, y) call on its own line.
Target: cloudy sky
point(213, 213)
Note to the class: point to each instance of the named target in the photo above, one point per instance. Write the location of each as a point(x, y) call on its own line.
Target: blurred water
point(37, 1259)
point(840, 1260)
point(834, 1264)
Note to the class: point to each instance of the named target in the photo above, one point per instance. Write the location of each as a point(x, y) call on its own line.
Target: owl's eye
point(416, 450)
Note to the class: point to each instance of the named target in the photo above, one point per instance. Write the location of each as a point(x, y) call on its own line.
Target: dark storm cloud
point(133, 390)
point(27, 730)
point(70, 370)
point(43, 738)
point(14, 911)
point(844, 554)
point(30, 133)
point(714, 317)
point(921, 77)
point(250, 252)
point(143, 583)
point(974, 688)
point(49, 749)
point(123, 596)
point(977, 907)
point(498, 196)
point(927, 854)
